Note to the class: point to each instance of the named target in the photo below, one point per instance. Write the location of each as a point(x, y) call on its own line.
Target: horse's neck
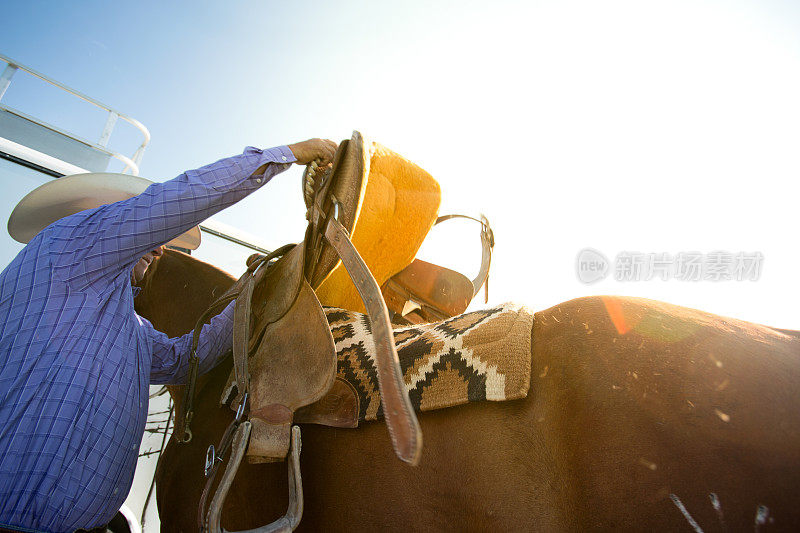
point(177, 289)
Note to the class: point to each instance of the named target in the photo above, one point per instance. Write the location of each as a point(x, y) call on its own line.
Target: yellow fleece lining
point(399, 208)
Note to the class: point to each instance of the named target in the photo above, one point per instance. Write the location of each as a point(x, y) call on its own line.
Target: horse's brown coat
point(636, 408)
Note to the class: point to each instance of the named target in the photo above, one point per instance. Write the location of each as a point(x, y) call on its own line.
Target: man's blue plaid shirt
point(76, 361)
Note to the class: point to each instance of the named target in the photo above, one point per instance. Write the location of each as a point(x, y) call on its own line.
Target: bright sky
point(620, 126)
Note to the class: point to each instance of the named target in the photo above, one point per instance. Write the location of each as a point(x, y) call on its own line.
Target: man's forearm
point(103, 241)
point(165, 210)
point(170, 363)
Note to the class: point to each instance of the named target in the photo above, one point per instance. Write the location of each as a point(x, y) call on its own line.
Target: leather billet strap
point(401, 420)
point(487, 243)
point(241, 337)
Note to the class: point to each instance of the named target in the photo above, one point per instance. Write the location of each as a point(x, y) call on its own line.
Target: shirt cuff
point(279, 154)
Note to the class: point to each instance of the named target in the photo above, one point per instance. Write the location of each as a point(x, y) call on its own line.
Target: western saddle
point(284, 357)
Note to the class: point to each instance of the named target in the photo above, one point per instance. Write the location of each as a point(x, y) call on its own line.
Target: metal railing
point(60, 168)
point(131, 163)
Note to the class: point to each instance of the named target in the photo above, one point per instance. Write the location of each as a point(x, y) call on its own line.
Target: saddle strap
point(401, 420)
point(241, 336)
point(216, 456)
point(185, 411)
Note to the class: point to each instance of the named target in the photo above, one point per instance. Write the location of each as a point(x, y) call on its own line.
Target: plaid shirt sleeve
point(171, 355)
point(102, 243)
point(76, 361)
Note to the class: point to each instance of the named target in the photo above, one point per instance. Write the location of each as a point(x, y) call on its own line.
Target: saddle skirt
point(478, 356)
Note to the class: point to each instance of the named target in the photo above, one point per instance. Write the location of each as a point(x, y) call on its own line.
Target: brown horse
point(641, 415)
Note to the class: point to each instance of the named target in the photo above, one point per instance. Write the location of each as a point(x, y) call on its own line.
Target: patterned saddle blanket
point(477, 356)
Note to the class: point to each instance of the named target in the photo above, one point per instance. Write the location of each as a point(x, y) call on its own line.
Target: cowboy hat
point(66, 196)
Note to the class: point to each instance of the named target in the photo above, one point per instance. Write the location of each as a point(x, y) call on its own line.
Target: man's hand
point(308, 151)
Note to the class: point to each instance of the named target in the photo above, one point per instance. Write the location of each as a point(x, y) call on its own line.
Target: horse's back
point(640, 414)
point(657, 413)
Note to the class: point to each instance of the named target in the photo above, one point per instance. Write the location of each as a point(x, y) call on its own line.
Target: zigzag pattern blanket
point(477, 356)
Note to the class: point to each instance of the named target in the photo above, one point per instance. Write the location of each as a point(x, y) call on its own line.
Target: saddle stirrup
point(487, 245)
point(289, 521)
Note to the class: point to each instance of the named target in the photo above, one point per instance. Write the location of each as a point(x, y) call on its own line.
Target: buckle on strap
point(240, 410)
point(211, 459)
point(211, 453)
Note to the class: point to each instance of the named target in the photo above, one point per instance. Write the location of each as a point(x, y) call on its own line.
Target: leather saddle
point(283, 350)
point(284, 356)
